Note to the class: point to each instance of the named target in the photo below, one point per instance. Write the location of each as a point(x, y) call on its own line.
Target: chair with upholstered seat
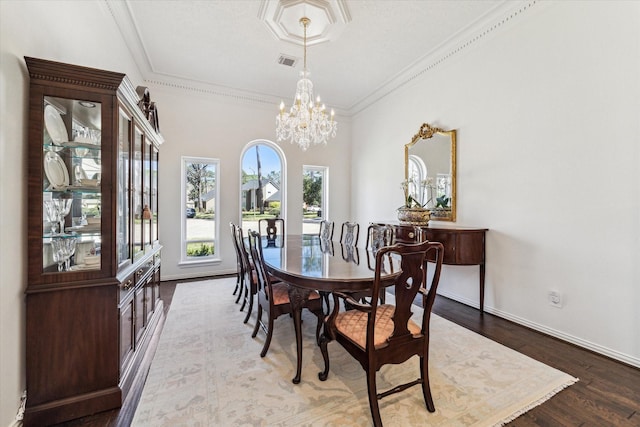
point(271, 229)
point(326, 230)
point(240, 273)
point(273, 298)
point(379, 334)
point(350, 233)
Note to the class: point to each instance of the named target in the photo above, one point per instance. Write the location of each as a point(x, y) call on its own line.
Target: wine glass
point(62, 251)
point(53, 215)
point(64, 206)
point(57, 251)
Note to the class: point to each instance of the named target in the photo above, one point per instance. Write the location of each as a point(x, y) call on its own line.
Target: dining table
point(307, 263)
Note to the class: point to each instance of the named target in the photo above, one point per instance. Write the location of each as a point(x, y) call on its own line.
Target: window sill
point(199, 262)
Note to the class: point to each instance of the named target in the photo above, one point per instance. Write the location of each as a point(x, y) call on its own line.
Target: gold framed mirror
point(430, 170)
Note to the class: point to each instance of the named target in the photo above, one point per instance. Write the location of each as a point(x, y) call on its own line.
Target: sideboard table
point(462, 245)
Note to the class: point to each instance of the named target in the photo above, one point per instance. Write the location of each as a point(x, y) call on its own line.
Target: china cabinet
point(93, 302)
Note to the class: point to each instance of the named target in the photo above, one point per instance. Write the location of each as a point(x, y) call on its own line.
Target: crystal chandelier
point(306, 121)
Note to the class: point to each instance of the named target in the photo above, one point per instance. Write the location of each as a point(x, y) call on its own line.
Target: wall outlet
point(555, 299)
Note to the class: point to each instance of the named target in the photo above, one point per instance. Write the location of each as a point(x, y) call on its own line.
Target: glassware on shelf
point(56, 210)
point(62, 250)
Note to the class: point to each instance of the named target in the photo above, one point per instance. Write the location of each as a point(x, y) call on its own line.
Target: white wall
point(546, 106)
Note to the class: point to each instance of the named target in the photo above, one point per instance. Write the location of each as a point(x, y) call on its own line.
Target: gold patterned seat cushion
point(353, 325)
point(281, 294)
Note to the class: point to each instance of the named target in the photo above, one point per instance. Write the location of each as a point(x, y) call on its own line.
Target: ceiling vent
point(289, 61)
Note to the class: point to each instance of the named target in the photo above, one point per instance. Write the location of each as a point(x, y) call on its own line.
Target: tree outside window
point(200, 190)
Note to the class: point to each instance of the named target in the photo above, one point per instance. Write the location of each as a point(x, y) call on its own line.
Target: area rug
point(207, 371)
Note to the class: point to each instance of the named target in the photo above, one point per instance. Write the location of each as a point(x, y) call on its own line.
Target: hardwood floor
point(608, 393)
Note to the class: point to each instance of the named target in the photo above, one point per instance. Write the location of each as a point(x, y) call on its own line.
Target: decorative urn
point(413, 215)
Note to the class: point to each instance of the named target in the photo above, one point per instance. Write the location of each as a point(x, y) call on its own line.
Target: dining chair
point(250, 277)
point(239, 264)
point(273, 227)
point(350, 233)
point(378, 236)
point(273, 298)
point(326, 230)
point(379, 334)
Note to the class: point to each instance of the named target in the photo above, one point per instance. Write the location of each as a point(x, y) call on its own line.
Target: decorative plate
point(55, 126)
point(56, 170)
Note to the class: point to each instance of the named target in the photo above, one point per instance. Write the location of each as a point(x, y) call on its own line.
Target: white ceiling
point(226, 47)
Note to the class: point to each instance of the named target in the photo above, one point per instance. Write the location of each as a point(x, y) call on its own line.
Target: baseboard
point(616, 355)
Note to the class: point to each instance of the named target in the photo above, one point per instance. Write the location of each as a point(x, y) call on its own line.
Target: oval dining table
point(307, 263)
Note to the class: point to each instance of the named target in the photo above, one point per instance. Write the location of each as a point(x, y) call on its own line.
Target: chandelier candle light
point(306, 121)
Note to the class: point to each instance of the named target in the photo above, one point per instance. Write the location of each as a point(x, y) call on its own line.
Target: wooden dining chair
point(326, 230)
point(379, 334)
point(271, 228)
point(240, 273)
point(349, 233)
point(378, 236)
point(250, 288)
point(273, 298)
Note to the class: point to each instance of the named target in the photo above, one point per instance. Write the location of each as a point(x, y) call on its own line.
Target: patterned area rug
point(207, 371)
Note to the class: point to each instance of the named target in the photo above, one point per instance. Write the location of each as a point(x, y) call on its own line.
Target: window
point(200, 230)
point(314, 198)
point(262, 162)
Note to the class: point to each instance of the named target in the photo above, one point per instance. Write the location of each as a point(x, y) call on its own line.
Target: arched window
point(262, 183)
point(418, 174)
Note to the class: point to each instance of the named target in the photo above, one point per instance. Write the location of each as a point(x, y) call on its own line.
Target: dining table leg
point(298, 298)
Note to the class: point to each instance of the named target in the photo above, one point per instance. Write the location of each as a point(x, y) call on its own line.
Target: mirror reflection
point(430, 170)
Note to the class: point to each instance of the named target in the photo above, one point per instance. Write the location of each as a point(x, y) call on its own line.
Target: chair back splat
point(349, 233)
point(326, 230)
point(377, 334)
point(272, 229)
point(239, 264)
point(378, 236)
point(249, 273)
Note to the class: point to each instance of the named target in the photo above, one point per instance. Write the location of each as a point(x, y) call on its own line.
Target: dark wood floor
point(608, 393)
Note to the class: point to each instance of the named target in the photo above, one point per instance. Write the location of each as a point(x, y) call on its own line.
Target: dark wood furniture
point(250, 279)
point(306, 265)
point(273, 297)
point(379, 334)
point(462, 245)
point(93, 293)
point(240, 273)
point(273, 227)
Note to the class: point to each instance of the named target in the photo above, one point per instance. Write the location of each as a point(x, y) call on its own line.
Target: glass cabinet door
point(71, 211)
point(136, 182)
point(146, 196)
point(123, 220)
point(154, 196)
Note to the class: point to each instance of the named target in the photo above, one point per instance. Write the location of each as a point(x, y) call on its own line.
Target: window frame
point(324, 205)
point(216, 256)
